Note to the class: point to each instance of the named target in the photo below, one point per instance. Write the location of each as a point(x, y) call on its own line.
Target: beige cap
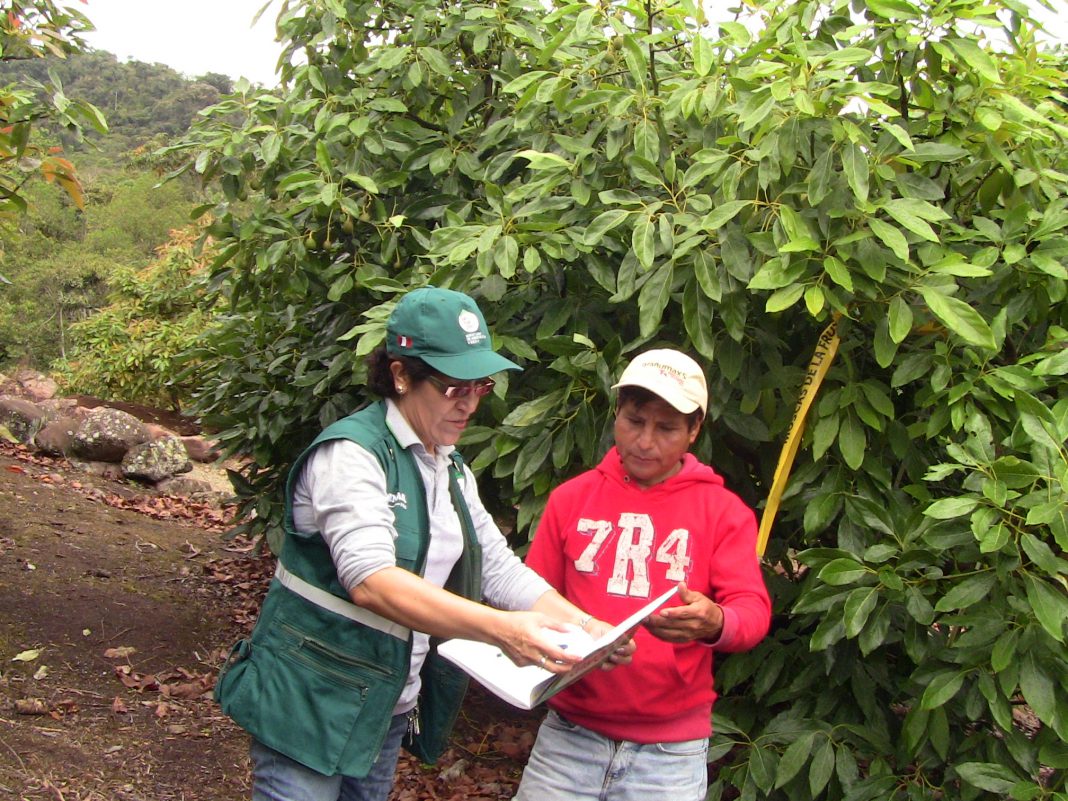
point(672, 375)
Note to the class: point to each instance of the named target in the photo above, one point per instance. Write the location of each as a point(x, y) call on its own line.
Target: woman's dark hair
point(639, 396)
point(380, 378)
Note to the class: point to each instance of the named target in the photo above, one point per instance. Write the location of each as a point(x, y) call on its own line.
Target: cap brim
point(676, 400)
point(469, 366)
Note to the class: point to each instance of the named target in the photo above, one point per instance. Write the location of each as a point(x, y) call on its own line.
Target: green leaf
point(892, 9)
point(762, 767)
point(975, 57)
point(602, 224)
point(703, 56)
point(1049, 605)
point(855, 166)
point(544, 161)
point(1038, 688)
point(968, 592)
point(517, 85)
point(988, 776)
point(960, 318)
point(784, 298)
point(794, 758)
point(900, 319)
point(819, 773)
point(842, 571)
point(941, 688)
point(852, 442)
point(531, 457)
point(891, 237)
point(723, 214)
point(904, 212)
point(838, 272)
point(949, 508)
point(858, 607)
point(654, 297)
point(533, 411)
point(643, 240)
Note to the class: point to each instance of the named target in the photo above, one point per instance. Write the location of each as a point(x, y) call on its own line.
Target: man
point(648, 517)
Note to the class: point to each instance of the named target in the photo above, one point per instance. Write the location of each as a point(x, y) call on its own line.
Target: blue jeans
point(571, 763)
point(276, 777)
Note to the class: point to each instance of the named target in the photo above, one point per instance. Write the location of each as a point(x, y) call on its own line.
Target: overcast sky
point(192, 36)
point(199, 36)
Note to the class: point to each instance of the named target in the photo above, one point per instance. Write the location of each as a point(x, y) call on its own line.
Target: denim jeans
point(276, 777)
point(571, 763)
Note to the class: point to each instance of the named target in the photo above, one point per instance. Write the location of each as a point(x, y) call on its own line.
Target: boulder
point(156, 460)
point(59, 408)
point(201, 450)
point(156, 431)
point(37, 387)
point(21, 417)
point(57, 437)
point(187, 487)
point(108, 470)
point(107, 434)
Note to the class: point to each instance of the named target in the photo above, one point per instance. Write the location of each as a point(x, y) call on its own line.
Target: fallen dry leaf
point(121, 652)
point(31, 706)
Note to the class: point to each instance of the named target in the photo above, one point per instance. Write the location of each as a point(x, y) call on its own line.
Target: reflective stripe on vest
point(338, 606)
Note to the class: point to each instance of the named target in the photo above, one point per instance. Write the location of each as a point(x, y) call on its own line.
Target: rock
point(156, 460)
point(108, 470)
point(39, 388)
point(201, 450)
point(21, 417)
point(107, 434)
point(187, 487)
point(156, 431)
point(57, 437)
point(58, 408)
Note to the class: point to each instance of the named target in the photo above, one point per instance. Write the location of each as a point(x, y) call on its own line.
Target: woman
point(387, 546)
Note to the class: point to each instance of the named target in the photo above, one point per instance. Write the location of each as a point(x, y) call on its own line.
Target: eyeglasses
point(454, 391)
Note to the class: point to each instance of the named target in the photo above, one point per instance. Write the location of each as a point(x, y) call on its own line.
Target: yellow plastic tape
point(826, 347)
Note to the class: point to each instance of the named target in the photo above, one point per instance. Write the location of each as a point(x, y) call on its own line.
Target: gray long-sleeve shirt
point(342, 494)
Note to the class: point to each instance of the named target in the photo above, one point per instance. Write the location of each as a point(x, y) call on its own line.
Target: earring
point(401, 388)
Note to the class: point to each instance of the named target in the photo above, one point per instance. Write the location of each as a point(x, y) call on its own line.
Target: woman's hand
point(523, 637)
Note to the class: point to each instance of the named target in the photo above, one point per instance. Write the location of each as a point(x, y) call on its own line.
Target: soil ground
point(116, 609)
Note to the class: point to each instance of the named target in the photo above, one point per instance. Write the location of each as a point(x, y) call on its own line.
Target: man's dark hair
point(639, 396)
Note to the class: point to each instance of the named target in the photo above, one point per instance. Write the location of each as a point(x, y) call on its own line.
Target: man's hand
point(699, 618)
point(621, 655)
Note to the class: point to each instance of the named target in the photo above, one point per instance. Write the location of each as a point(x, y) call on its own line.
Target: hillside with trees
point(65, 260)
point(140, 101)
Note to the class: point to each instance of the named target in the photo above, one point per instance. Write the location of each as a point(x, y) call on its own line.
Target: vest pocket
point(321, 657)
point(306, 698)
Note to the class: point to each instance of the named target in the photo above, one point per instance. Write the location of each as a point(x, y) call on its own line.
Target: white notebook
point(526, 687)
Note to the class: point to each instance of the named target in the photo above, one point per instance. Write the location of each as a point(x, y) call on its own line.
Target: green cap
point(447, 331)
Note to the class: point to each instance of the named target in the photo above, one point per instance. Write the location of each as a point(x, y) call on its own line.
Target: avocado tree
point(32, 29)
point(886, 175)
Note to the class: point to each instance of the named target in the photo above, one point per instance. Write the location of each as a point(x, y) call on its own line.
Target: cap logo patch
point(468, 322)
point(403, 341)
point(669, 372)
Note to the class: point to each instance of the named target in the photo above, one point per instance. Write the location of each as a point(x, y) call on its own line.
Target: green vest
point(320, 686)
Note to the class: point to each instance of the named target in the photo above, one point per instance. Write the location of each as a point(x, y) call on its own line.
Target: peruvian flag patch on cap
point(403, 341)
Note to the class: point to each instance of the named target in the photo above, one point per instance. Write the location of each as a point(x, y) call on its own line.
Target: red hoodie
point(609, 546)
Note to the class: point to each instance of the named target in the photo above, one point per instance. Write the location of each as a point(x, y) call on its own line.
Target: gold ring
point(542, 660)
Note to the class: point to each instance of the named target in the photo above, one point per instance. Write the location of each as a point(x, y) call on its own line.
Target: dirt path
point(112, 624)
point(97, 590)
